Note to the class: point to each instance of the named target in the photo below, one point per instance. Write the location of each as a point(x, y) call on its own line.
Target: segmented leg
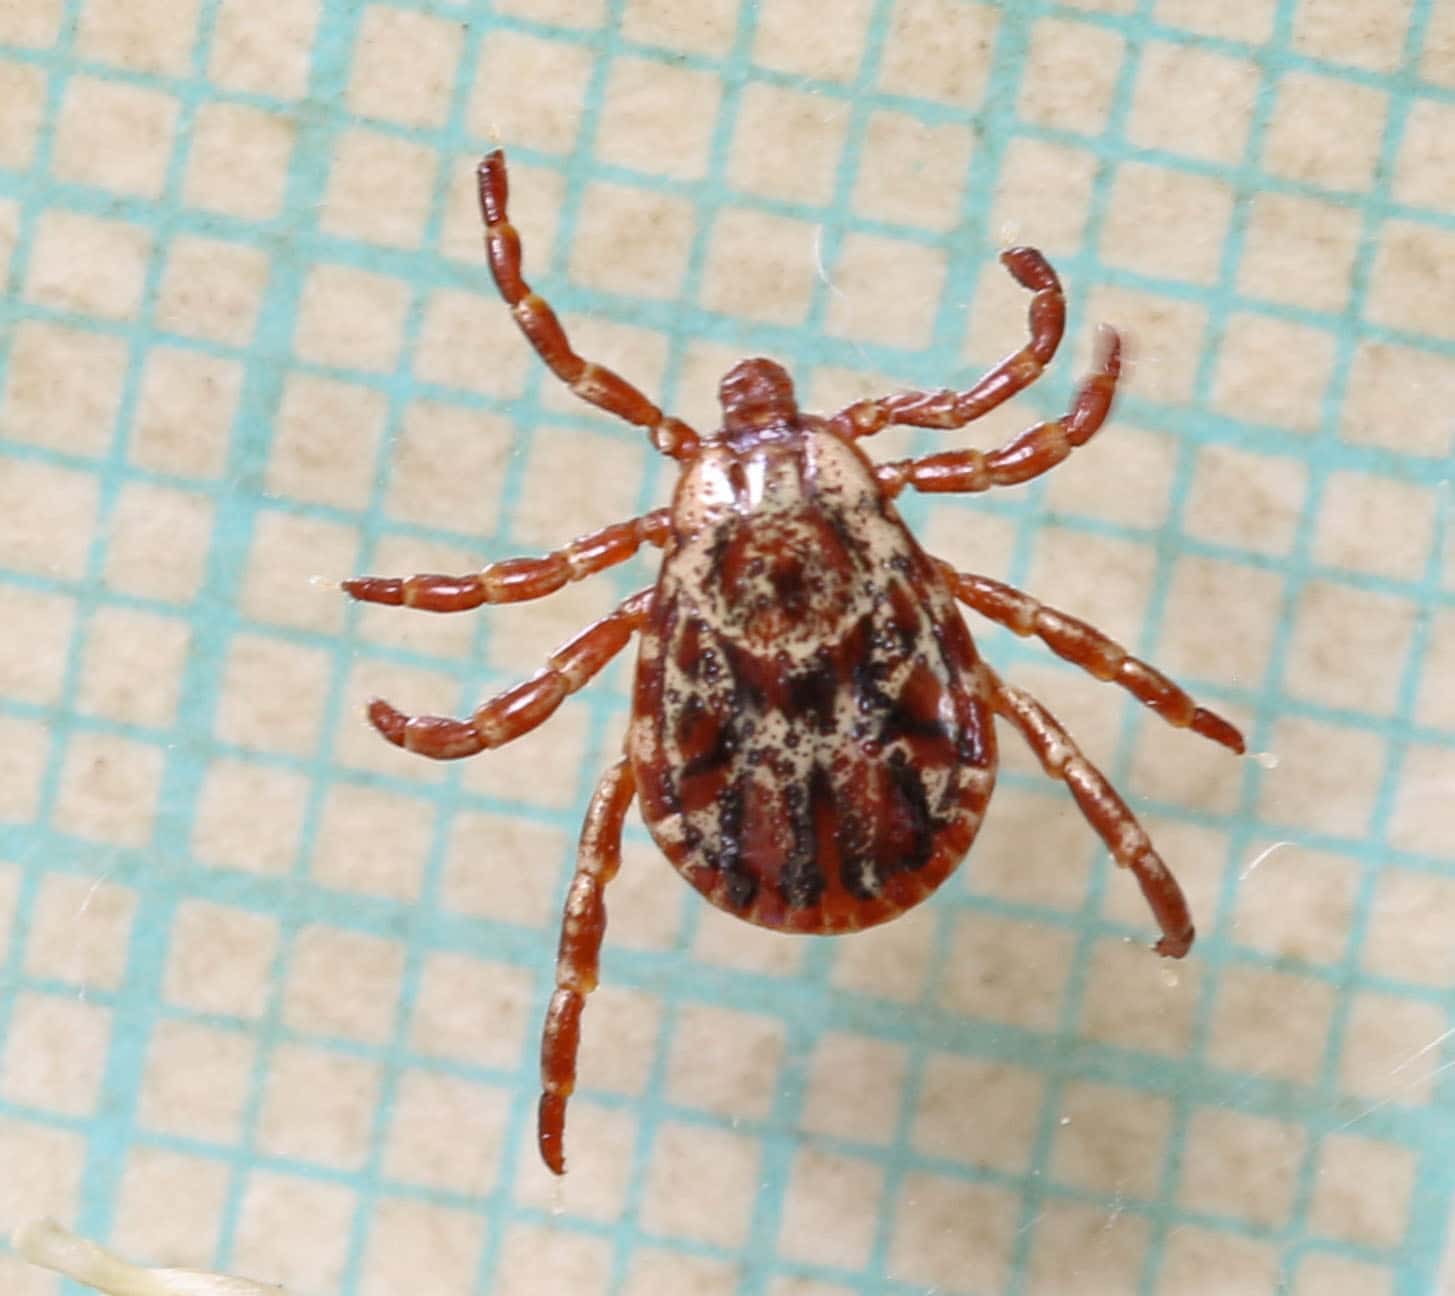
point(1093, 651)
point(592, 382)
point(1033, 452)
point(1105, 811)
point(513, 580)
point(948, 409)
point(579, 958)
point(520, 709)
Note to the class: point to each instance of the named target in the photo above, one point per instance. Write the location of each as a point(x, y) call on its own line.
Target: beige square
point(979, 1112)
point(1343, 33)
point(1100, 579)
point(559, 13)
point(115, 136)
point(1437, 58)
point(951, 1235)
point(1436, 702)
point(343, 984)
point(35, 24)
point(249, 817)
point(787, 145)
point(1421, 819)
point(725, 941)
point(1377, 525)
point(632, 241)
point(725, 1062)
point(1134, 1001)
point(1167, 223)
point(1391, 391)
point(197, 1082)
point(351, 319)
point(357, 744)
point(264, 46)
point(1326, 131)
point(23, 91)
point(854, 1088)
point(1193, 101)
point(1362, 1191)
point(469, 341)
point(557, 499)
point(1169, 765)
point(1321, 1274)
point(1274, 372)
point(1247, 500)
point(1031, 851)
point(318, 1106)
point(293, 569)
point(707, 27)
point(448, 466)
point(325, 439)
point(159, 542)
point(834, 53)
point(33, 651)
point(760, 266)
point(1271, 1024)
point(170, 1207)
point(55, 1053)
point(701, 1184)
point(1070, 75)
point(109, 789)
point(417, 1245)
point(212, 290)
point(43, 1169)
point(294, 1230)
point(1043, 195)
point(424, 1145)
point(1111, 1140)
point(1413, 278)
point(153, 36)
point(79, 930)
point(939, 50)
point(1168, 334)
point(220, 960)
point(1007, 970)
point(889, 962)
point(185, 411)
point(24, 754)
point(1208, 1262)
point(468, 1010)
point(239, 161)
point(530, 90)
point(830, 1208)
point(647, 902)
point(601, 1151)
point(87, 265)
point(1391, 1051)
point(404, 66)
point(373, 842)
point(63, 387)
point(380, 189)
point(1123, 477)
point(1249, 20)
point(1299, 251)
point(131, 670)
point(1104, 1248)
point(658, 118)
point(911, 172)
point(885, 290)
point(503, 868)
point(1326, 778)
point(1243, 1166)
point(653, 1272)
point(544, 1261)
point(1295, 904)
point(1348, 647)
point(273, 695)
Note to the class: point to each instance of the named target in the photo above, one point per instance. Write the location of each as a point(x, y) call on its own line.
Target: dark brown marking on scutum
point(908, 821)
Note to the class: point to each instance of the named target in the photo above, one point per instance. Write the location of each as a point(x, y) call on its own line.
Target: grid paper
point(269, 990)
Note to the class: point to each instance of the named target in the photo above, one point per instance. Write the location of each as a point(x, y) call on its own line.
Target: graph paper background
point(269, 989)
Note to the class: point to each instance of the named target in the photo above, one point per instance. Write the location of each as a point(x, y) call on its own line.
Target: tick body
point(811, 741)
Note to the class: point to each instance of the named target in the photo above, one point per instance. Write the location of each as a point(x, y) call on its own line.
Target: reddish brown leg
point(948, 409)
point(514, 580)
point(520, 709)
point(1093, 651)
point(1105, 811)
point(591, 382)
point(1033, 452)
point(579, 958)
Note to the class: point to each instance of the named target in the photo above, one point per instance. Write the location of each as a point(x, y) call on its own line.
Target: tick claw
point(388, 721)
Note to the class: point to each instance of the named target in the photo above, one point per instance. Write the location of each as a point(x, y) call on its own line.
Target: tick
point(811, 739)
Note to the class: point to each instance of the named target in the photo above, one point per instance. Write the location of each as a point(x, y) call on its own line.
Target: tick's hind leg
point(1107, 813)
point(583, 925)
point(592, 382)
point(520, 709)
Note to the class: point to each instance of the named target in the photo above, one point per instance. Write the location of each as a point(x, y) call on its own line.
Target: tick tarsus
point(708, 695)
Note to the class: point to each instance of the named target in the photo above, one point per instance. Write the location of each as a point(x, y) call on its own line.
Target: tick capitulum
point(812, 739)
